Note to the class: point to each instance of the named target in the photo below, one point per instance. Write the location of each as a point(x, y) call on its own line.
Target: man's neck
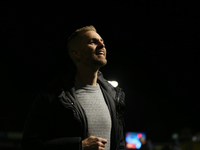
point(86, 76)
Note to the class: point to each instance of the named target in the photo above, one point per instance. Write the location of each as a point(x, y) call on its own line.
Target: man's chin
point(100, 63)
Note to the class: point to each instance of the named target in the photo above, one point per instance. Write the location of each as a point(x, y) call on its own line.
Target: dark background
point(153, 52)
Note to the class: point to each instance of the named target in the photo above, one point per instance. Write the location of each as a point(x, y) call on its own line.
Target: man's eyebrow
point(96, 39)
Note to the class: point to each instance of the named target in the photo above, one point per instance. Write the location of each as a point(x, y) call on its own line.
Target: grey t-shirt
point(96, 109)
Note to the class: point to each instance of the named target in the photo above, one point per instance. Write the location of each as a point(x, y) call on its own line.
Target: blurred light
point(139, 135)
point(194, 138)
point(15, 135)
point(175, 136)
point(113, 83)
point(11, 135)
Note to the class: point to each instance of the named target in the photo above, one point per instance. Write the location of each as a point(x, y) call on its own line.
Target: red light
point(130, 146)
point(139, 135)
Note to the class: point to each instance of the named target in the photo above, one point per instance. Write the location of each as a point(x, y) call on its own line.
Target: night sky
point(153, 52)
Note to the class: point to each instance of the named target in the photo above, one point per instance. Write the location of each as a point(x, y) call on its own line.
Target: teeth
point(101, 53)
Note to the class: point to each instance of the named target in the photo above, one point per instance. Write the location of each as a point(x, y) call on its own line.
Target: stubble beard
point(95, 62)
point(98, 63)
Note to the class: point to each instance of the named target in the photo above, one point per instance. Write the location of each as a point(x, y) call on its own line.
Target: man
point(80, 110)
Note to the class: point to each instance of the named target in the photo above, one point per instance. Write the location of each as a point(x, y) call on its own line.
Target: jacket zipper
point(75, 107)
point(118, 109)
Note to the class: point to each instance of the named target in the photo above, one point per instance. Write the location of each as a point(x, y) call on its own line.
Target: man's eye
point(93, 42)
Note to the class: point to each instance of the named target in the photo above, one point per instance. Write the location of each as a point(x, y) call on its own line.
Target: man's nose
point(101, 44)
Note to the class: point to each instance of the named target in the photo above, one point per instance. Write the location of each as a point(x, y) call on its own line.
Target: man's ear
point(75, 53)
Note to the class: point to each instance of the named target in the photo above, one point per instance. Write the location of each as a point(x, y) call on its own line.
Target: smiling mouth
point(100, 53)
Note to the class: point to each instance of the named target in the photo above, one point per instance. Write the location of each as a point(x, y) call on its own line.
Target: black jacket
point(57, 121)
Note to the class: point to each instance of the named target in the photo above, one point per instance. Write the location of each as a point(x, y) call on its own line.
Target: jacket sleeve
point(38, 134)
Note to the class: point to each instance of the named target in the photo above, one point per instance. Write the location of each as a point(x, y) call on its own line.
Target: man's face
point(92, 50)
